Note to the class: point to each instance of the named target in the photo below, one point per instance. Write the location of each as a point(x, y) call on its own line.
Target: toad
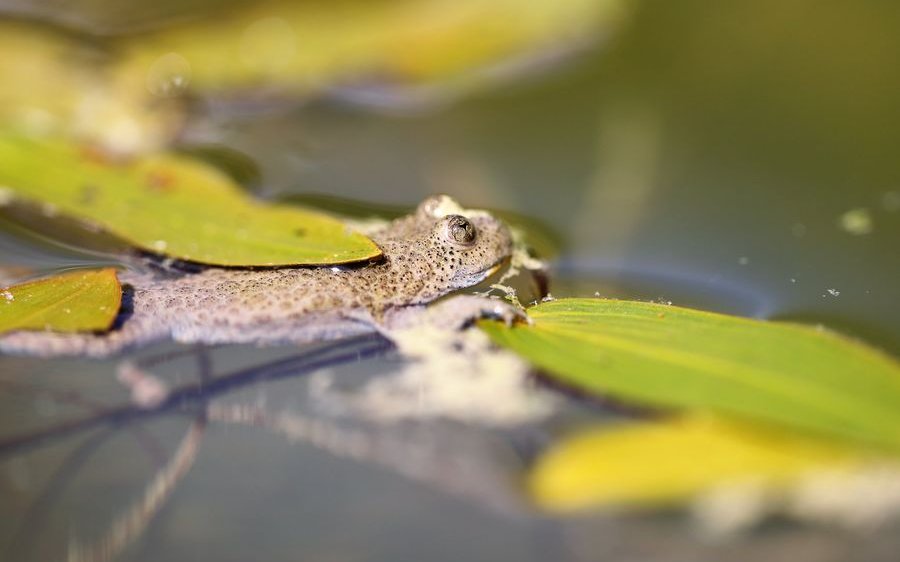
point(426, 255)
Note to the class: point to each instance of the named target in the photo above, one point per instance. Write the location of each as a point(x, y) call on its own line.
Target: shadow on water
point(190, 399)
point(470, 465)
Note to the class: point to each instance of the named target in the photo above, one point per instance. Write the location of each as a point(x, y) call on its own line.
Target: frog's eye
point(460, 230)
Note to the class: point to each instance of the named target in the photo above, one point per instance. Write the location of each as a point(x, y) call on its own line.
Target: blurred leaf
point(57, 84)
point(172, 205)
point(308, 47)
point(80, 301)
point(674, 357)
point(657, 463)
point(129, 92)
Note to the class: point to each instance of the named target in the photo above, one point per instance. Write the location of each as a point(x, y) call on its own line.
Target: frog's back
point(233, 297)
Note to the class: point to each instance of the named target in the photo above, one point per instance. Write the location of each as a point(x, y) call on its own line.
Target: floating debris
point(49, 210)
point(6, 196)
point(457, 376)
point(856, 221)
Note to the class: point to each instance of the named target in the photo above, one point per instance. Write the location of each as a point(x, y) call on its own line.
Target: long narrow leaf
point(674, 357)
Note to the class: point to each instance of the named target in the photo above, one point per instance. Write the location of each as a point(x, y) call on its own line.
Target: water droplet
point(169, 75)
point(856, 221)
point(798, 230)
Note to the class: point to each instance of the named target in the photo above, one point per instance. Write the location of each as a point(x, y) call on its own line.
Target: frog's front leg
point(453, 313)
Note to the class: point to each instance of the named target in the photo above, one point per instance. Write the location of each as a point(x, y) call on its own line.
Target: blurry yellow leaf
point(310, 46)
point(80, 301)
point(56, 84)
point(674, 357)
point(172, 205)
point(657, 463)
point(128, 93)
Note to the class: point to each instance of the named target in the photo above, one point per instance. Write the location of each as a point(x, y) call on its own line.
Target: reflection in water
point(468, 463)
point(627, 279)
point(129, 526)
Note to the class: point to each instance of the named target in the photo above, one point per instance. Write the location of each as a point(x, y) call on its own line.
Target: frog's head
point(468, 246)
point(457, 247)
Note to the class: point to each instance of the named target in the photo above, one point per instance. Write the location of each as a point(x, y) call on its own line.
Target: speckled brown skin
point(426, 255)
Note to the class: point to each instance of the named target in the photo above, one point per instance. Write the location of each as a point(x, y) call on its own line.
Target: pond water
point(736, 158)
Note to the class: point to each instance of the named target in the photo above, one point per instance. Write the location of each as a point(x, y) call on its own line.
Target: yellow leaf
point(658, 463)
point(175, 206)
point(307, 47)
point(79, 301)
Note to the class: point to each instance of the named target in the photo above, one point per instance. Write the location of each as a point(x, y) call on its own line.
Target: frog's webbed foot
point(462, 310)
point(455, 313)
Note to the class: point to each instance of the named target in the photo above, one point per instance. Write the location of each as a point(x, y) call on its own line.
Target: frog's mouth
point(491, 270)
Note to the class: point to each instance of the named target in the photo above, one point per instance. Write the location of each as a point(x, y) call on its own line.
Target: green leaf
point(667, 356)
point(655, 463)
point(172, 205)
point(80, 301)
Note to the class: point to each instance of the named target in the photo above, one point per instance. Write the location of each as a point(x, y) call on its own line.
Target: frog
point(438, 249)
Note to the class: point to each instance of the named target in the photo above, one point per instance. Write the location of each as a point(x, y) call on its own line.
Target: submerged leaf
point(657, 463)
point(175, 206)
point(674, 357)
point(80, 301)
